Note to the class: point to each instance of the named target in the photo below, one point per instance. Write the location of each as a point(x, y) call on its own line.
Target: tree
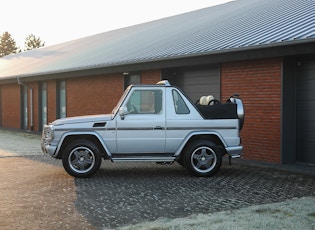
point(33, 42)
point(7, 45)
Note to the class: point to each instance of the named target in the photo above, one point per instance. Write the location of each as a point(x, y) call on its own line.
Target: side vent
point(100, 124)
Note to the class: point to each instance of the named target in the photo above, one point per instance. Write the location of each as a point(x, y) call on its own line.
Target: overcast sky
point(57, 21)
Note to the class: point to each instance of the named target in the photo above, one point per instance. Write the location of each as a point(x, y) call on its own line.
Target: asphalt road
point(36, 192)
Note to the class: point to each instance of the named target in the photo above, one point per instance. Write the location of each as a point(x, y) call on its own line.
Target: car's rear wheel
point(81, 158)
point(202, 158)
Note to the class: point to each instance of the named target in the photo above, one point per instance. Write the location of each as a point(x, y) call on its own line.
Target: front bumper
point(48, 149)
point(47, 140)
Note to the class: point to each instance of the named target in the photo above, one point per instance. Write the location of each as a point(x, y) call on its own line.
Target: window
point(179, 104)
point(44, 103)
point(61, 99)
point(145, 102)
point(131, 79)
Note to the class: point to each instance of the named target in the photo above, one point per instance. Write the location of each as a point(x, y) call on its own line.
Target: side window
point(179, 104)
point(145, 102)
point(131, 79)
point(61, 101)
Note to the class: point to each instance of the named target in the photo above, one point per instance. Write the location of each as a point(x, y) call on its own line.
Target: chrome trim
point(154, 159)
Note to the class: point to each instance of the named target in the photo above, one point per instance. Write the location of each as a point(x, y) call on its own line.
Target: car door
point(142, 129)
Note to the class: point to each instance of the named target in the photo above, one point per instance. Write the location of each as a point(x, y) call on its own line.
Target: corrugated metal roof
point(241, 24)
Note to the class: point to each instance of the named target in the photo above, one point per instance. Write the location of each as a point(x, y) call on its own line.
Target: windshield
point(115, 110)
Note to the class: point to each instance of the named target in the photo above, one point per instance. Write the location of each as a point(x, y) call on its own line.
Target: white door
point(143, 129)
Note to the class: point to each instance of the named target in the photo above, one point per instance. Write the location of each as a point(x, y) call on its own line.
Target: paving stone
point(36, 192)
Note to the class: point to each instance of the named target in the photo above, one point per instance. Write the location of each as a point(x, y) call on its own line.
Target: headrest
point(203, 100)
point(210, 98)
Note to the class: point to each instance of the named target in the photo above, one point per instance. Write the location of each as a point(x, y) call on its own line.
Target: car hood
point(83, 119)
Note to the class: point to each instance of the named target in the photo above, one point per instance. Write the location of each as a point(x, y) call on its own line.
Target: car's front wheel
point(81, 158)
point(202, 158)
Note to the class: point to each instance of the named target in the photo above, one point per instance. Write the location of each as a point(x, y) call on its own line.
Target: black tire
point(81, 158)
point(202, 158)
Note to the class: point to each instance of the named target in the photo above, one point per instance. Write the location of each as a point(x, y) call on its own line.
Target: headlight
point(48, 132)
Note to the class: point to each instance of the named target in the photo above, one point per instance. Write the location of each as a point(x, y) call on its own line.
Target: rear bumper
point(235, 151)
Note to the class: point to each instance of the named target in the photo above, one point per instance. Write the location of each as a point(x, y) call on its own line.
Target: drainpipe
point(20, 83)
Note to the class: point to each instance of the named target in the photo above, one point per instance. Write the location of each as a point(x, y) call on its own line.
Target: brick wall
point(93, 95)
point(10, 106)
point(151, 76)
point(259, 84)
point(99, 94)
point(85, 96)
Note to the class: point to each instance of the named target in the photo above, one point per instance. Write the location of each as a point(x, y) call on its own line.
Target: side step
point(153, 159)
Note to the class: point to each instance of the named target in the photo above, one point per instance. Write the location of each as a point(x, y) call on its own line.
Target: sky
point(58, 21)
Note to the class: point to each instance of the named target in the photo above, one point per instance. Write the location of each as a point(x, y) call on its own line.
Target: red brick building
point(267, 57)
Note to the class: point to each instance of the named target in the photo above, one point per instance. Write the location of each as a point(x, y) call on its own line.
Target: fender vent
point(101, 124)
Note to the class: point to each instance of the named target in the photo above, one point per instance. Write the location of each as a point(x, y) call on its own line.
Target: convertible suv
point(156, 123)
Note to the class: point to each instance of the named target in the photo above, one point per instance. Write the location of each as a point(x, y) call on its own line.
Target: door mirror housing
point(123, 112)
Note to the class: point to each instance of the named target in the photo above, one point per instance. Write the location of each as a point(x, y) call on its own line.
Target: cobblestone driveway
point(36, 193)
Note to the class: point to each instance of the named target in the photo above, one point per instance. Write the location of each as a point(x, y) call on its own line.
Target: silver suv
point(156, 123)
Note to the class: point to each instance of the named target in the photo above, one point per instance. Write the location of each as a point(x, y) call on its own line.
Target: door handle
point(158, 128)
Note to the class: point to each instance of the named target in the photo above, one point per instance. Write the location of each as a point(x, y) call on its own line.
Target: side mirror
point(122, 112)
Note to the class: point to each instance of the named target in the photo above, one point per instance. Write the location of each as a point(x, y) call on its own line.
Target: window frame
point(182, 101)
point(155, 103)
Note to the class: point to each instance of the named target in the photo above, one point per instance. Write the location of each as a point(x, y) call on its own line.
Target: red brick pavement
point(36, 195)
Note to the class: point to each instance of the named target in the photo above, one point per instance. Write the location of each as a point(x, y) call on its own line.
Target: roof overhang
point(240, 54)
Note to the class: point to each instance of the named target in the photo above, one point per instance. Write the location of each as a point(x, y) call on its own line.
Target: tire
point(202, 158)
point(81, 158)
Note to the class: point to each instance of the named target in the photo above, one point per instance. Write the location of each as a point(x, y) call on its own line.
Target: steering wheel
point(134, 108)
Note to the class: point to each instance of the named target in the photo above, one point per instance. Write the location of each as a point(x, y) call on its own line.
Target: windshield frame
point(121, 100)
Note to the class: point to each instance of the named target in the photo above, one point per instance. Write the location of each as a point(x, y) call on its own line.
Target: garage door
point(306, 112)
point(200, 82)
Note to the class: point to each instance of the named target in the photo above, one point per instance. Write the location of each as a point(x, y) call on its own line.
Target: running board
point(154, 159)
